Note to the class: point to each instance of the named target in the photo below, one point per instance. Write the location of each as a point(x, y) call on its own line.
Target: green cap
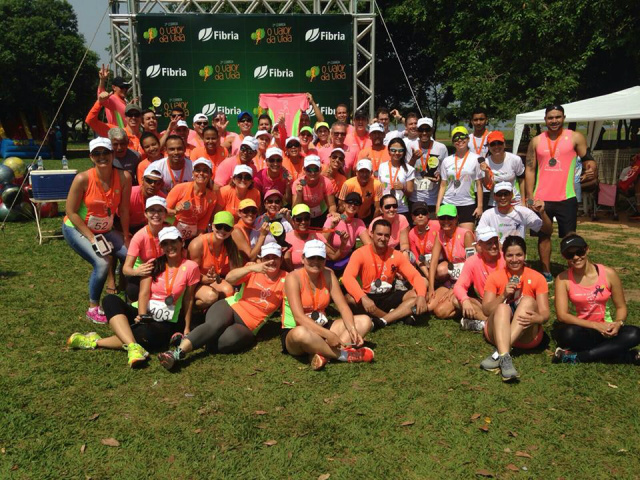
point(459, 130)
point(448, 211)
point(321, 124)
point(223, 217)
point(300, 208)
point(307, 129)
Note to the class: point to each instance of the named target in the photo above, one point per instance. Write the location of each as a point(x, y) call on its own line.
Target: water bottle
point(40, 163)
point(65, 163)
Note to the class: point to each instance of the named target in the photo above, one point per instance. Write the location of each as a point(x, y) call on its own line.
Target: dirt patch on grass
point(604, 230)
point(632, 294)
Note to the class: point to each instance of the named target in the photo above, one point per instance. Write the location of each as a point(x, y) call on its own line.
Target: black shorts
point(285, 332)
point(384, 301)
point(465, 214)
point(565, 214)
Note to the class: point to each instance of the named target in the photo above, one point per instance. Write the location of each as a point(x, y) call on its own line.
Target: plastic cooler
point(51, 184)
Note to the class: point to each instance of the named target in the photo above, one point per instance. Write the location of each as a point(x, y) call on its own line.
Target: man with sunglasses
point(246, 152)
point(132, 122)
point(509, 219)
point(117, 101)
point(200, 122)
point(245, 124)
point(293, 160)
point(377, 265)
point(149, 187)
point(377, 152)
point(338, 137)
point(478, 141)
point(426, 163)
point(549, 176)
point(369, 188)
point(175, 167)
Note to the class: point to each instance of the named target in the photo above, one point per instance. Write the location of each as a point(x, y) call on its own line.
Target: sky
point(89, 13)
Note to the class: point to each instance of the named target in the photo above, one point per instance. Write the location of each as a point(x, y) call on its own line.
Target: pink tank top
point(454, 250)
point(554, 179)
point(591, 301)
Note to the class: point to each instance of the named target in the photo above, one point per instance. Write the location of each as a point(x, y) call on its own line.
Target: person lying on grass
point(232, 325)
point(516, 302)
point(305, 326)
point(162, 295)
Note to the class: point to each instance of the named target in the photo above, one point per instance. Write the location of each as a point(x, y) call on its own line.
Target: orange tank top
point(313, 301)
point(219, 262)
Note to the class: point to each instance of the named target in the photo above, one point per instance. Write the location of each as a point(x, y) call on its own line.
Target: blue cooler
point(51, 184)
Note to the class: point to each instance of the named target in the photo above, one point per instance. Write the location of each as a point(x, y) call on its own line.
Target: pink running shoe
point(96, 315)
point(356, 355)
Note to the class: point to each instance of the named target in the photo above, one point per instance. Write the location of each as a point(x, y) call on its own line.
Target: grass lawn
point(423, 409)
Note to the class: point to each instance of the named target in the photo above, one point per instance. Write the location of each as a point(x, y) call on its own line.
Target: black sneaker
point(378, 323)
point(410, 320)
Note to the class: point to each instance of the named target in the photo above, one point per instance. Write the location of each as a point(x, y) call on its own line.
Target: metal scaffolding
point(124, 57)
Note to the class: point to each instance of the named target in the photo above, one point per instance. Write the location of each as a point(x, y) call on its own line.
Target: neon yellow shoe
point(87, 341)
point(137, 354)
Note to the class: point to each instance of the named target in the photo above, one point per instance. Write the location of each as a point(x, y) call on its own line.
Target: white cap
point(152, 172)
point(364, 164)
point(250, 142)
point(242, 169)
point(312, 160)
point(273, 151)
point(259, 133)
point(314, 248)
point(271, 248)
point(181, 123)
point(338, 149)
point(155, 200)
point(100, 142)
point(501, 186)
point(485, 234)
point(200, 116)
point(376, 127)
point(169, 233)
point(291, 139)
point(203, 161)
point(425, 121)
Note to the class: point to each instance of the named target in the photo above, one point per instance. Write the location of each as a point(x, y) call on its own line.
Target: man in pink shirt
point(115, 103)
point(248, 149)
point(358, 140)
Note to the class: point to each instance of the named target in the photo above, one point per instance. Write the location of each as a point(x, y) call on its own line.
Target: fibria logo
point(211, 108)
point(264, 71)
point(314, 34)
point(154, 71)
point(207, 34)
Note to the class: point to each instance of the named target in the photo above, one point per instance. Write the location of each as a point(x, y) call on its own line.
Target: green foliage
point(40, 49)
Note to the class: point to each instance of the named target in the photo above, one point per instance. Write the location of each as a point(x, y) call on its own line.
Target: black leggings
point(223, 331)
point(152, 335)
point(133, 288)
point(591, 346)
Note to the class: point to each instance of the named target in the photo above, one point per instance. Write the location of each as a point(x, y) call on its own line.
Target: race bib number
point(316, 211)
point(187, 231)
point(454, 272)
point(100, 224)
point(422, 183)
point(160, 311)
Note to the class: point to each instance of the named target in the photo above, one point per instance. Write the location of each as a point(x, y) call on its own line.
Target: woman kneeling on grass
point(591, 334)
point(306, 329)
point(516, 302)
point(231, 325)
point(162, 295)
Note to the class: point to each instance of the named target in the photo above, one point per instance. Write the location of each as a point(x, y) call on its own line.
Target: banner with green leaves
point(210, 62)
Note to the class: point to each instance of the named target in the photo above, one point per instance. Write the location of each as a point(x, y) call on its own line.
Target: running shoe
point(470, 325)
point(491, 363)
point(548, 277)
point(87, 341)
point(176, 339)
point(96, 315)
point(562, 355)
point(378, 323)
point(169, 358)
point(318, 361)
point(507, 370)
point(137, 354)
point(362, 354)
point(410, 320)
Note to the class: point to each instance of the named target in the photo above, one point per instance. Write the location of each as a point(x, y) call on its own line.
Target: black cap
point(419, 205)
point(360, 114)
point(572, 241)
point(132, 107)
point(120, 82)
point(353, 197)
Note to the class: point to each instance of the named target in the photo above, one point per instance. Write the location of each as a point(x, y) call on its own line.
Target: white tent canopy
point(624, 104)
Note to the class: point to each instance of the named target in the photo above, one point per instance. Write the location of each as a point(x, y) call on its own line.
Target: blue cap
point(242, 114)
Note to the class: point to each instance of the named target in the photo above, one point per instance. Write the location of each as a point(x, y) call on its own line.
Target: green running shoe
point(87, 341)
point(137, 354)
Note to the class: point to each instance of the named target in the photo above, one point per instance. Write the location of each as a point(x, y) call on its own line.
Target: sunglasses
point(274, 160)
point(293, 145)
point(396, 150)
point(502, 193)
point(249, 211)
point(339, 134)
point(177, 115)
point(581, 252)
point(246, 148)
point(101, 153)
point(390, 206)
point(245, 177)
point(153, 211)
point(202, 123)
point(222, 227)
point(354, 204)
point(424, 130)
point(302, 218)
point(151, 181)
point(337, 157)
point(446, 217)
point(133, 114)
point(245, 120)
point(421, 213)
point(270, 201)
point(496, 144)
point(460, 138)
point(312, 169)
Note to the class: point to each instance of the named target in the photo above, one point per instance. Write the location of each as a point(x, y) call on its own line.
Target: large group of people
point(343, 228)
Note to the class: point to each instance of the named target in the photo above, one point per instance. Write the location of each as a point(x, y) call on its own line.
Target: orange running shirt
point(259, 297)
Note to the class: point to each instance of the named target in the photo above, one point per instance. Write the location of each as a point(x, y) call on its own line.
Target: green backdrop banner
point(210, 62)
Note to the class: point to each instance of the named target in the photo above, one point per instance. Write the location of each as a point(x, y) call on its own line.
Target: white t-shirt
point(425, 190)
point(515, 222)
point(162, 166)
point(485, 146)
point(400, 175)
point(465, 194)
point(507, 171)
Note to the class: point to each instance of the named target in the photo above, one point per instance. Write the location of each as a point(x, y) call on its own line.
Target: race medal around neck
point(169, 300)
point(552, 149)
point(457, 183)
point(552, 162)
point(514, 279)
point(303, 182)
point(186, 205)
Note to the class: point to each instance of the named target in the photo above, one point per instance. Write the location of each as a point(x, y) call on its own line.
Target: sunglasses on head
point(421, 213)
point(497, 143)
point(249, 211)
point(302, 218)
point(244, 177)
point(390, 206)
point(312, 169)
point(274, 160)
point(396, 150)
point(569, 254)
point(223, 227)
point(151, 181)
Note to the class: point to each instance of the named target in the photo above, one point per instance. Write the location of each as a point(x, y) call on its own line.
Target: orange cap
point(495, 136)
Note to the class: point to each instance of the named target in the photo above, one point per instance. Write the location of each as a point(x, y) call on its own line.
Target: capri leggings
point(223, 331)
point(591, 346)
point(152, 335)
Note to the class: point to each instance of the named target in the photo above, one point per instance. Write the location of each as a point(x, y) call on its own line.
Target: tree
point(40, 50)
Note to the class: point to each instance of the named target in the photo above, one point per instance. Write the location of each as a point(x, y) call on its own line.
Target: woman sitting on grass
point(305, 327)
point(162, 295)
point(516, 302)
point(591, 334)
point(231, 325)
